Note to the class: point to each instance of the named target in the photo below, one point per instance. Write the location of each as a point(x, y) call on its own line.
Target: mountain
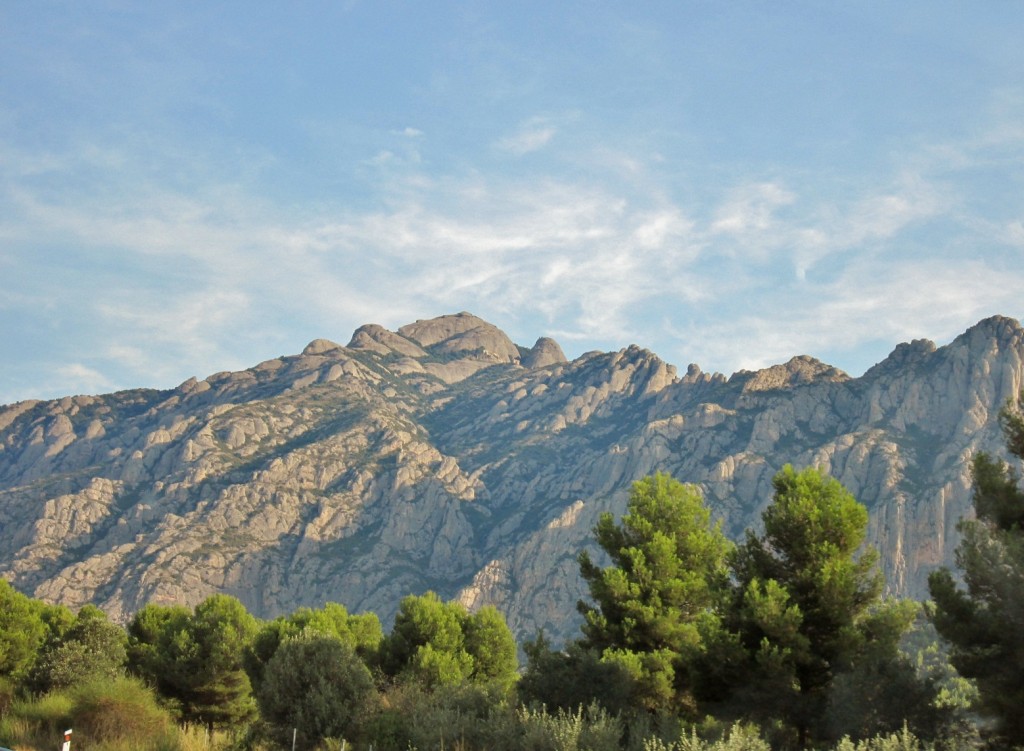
point(444, 456)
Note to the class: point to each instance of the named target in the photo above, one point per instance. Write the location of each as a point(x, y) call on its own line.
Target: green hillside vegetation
point(689, 642)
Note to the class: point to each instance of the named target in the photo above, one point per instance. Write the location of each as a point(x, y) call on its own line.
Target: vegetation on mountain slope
point(687, 636)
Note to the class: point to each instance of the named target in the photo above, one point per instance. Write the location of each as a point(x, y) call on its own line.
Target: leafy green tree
point(439, 643)
point(361, 632)
point(808, 604)
point(985, 624)
point(571, 678)
point(317, 685)
point(427, 642)
point(22, 632)
point(92, 648)
point(196, 660)
point(656, 611)
point(490, 643)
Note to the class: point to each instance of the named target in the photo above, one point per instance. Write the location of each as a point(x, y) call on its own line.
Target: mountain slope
point(444, 456)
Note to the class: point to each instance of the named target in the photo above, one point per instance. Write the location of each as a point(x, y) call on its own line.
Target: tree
point(92, 648)
point(317, 685)
point(985, 624)
point(22, 632)
point(427, 642)
point(572, 678)
point(493, 648)
point(155, 636)
point(656, 611)
point(439, 643)
point(362, 633)
point(808, 601)
point(196, 659)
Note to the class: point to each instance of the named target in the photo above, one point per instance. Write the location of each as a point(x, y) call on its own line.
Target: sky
point(191, 187)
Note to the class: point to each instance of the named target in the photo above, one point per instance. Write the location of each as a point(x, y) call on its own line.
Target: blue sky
point(190, 187)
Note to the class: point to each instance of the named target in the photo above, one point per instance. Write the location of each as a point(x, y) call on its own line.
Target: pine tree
point(808, 604)
point(656, 607)
point(985, 623)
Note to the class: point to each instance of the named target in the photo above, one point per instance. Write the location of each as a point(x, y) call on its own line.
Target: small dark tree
point(92, 648)
point(316, 684)
point(985, 624)
point(572, 678)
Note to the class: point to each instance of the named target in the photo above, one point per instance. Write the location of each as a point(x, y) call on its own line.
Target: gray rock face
point(545, 352)
point(442, 456)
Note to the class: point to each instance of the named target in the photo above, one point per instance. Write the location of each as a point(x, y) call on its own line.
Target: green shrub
point(592, 729)
point(461, 717)
point(901, 741)
point(36, 723)
point(122, 713)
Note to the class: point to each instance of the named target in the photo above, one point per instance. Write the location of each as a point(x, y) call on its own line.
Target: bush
point(106, 712)
point(592, 729)
point(37, 723)
point(459, 717)
point(7, 694)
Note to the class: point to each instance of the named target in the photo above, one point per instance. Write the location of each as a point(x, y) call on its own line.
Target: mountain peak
point(545, 352)
point(798, 371)
point(462, 333)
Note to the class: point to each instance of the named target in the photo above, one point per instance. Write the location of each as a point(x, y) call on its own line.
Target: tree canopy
point(439, 643)
point(807, 602)
point(316, 684)
point(197, 659)
point(656, 606)
point(984, 624)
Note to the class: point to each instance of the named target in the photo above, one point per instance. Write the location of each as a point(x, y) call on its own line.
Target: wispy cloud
point(185, 280)
point(532, 136)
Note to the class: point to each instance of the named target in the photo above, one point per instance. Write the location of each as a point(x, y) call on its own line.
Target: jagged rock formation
point(443, 456)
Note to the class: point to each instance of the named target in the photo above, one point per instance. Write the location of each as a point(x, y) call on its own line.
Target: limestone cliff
point(443, 456)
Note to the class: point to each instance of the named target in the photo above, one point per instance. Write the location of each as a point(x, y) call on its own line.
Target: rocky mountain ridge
point(444, 456)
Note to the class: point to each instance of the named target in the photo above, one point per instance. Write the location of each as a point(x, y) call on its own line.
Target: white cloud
point(532, 136)
point(200, 278)
point(76, 378)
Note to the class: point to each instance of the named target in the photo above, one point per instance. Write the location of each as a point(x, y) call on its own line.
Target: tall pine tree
point(985, 624)
point(656, 608)
point(808, 603)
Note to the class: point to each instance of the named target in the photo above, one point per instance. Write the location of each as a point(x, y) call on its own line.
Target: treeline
point(689, 641)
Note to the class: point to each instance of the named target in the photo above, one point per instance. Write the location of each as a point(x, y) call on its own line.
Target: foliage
point(196, 659)
point(808, 604)
point(22, 631)
point(91, 648)
point(440, 644)
point(490, 643)
point(122, 709)
point(985, 624)
point(362, 633)
point(573, 677)
point(316, 684)
point(592, 729)
point(463, 716)
point(738, 738)
point(656, 607)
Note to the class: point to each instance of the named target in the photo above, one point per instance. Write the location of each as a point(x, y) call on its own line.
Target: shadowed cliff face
point(443, 456)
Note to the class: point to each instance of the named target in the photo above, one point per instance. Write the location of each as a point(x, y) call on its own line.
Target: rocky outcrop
point(545, 352)
point(443, 456)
